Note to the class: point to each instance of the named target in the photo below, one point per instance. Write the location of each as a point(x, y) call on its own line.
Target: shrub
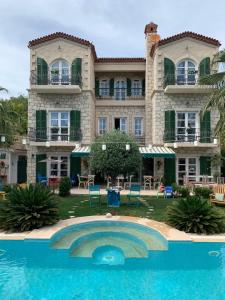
point(195, 215)
point(183, 191)
point(64, 187)
point(29, 208)
point(203, 192)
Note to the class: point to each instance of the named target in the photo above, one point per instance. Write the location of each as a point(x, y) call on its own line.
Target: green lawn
point(78, 206)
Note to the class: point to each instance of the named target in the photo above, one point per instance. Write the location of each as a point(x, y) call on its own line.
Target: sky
point(115, 27)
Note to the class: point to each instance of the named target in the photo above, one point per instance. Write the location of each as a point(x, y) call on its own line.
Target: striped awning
point(81, 151)
point(157, 152)
point(145, 151)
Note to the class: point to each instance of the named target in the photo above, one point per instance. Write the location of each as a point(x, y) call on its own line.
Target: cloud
point(114, 26)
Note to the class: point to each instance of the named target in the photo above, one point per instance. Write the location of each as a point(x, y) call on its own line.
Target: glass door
point(120, 90)
point(186, 126)
point(186, 167)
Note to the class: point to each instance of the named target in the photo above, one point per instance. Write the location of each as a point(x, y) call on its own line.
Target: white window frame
point(120, 89)
point(123, 123)
point(101, 130)
point(188, 137)
point(136, 91)
point(60, 80)
point(186, 74)
point(59, 170)
point(141, 124)
point(187, 158)
point(104, 88)
point(59, 135)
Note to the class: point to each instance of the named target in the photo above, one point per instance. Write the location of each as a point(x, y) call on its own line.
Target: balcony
point(54, 137)
point(191, 138)
point(55, 84)
point(186, 83)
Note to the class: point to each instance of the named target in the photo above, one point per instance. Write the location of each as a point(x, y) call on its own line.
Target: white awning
point(157, 152)
point(145, 152)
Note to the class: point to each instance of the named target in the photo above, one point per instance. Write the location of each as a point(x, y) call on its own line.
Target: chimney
point(151, 32)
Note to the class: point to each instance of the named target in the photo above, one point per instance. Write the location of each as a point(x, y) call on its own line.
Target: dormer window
point(60, 72)
point(186, 73)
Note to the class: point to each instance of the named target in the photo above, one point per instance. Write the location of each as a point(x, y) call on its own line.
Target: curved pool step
point(64, 240)
point(131, 246)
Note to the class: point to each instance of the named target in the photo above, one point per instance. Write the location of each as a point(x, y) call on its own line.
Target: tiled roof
point(120, 59)
point(189, 34)
point(62, 35)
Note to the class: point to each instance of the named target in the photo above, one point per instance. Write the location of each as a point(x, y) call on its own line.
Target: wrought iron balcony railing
point(46, 135)
point(54, 79)
point(187, 78)
point(120, 93)
point(190, 136)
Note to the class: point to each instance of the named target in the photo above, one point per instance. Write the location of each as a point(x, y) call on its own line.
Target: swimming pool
point(110, 260)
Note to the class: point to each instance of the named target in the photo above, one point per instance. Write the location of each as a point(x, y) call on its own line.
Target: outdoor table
point(113, 197)
point(84, 178)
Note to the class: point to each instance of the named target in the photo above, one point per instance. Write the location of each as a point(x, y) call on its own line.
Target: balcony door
point(186, 126)
point(120, 89)
point(60, 72)
point(121, 124)
point(58, 166)
point(186, 72)
point(59, 126)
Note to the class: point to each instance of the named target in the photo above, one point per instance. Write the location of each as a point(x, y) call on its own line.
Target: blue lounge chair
point(134, 196)
point(168, 192)
point(42, 179)
point(94, 195)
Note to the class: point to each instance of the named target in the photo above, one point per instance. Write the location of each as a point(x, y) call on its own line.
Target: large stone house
point(74, 96)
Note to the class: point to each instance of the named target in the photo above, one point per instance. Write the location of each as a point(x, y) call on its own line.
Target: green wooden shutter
point(41, 167)
point(96, 87)
point(75, 125)
point(76, 71)
point(128, 87)
point(169, 170)
point(169, 72)
point(205, 127)
point(169, 130)
point(111, 87)
point(42, 71)
point(41, 125)
point(205, 165)
point(75, 166)
point(204, 67)
point(143, 87)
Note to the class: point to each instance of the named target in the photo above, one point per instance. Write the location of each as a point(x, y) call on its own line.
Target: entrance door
point(148, 166)
point(187, 167)
point(22, 169)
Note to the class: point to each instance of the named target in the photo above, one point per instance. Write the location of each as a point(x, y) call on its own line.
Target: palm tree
point(3, 89)
point(217, 98)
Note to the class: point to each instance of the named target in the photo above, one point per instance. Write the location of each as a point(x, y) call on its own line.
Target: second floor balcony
point(54, 136)
point(55, 83)
point(120, 94)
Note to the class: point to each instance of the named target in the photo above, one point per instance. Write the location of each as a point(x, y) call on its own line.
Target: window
point(104, 88)
point(186, 126)
point(102, 125)
point(186, 72)
point(120, 90)
point(121, 124)
point(60, 72)
point(58, 166)
point(186, 167)
point(59, 126)
point(136, 88)
point(138, 126)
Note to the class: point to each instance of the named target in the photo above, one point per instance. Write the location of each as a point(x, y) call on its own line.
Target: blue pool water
point(53, 269)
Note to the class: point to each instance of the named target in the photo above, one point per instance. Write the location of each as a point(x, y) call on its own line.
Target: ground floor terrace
point(161, 164)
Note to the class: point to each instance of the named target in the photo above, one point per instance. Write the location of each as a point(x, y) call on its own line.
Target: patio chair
point(73, 180)
point(134, 196)
point(147, 182)
point(81, 181)
point(128, 183)
point(109, 181)
point(220, 180)
point(168, 192)
point(156, 181)
point(218, 195)
point(91, 180)
point(160, 191)
point(42, 179)
point(94, 195)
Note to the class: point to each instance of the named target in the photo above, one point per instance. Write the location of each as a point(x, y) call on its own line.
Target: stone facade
point(151, 107)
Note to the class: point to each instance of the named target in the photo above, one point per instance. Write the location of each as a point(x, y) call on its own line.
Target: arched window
point(60, 72)
point(186, 73)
